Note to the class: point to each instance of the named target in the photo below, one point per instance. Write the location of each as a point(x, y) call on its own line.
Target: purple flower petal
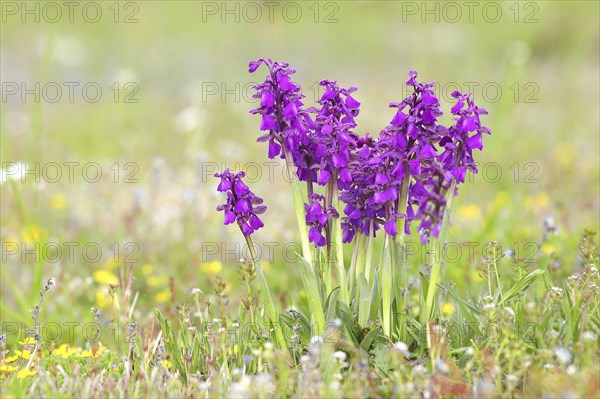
point(351, 102)
point(390, 227)
point(267, 99)
point(255, 222)
point(229, 217)
point(323, 177)
point(267, 123)
point(399, 118)
point(475, 141)
point(253, 66)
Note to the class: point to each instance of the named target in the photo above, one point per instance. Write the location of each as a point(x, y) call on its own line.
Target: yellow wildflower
point(163, 296)
point(105, 277)
point(103, 300)
point(153, 281)
point(100, 349)
point(28, 341)
point(448, 308)
point(7, 369)
point(147, 269)
point(227, 288)
point(64, 351)
point(166, 363)
point(112, 264)
point(537, 201)
point(32, 234)
point(212, 267)
point(469, 212)
point(26, 373)
point(26, 354)
point(235, 350)
point(564, 153)
point(477, 276)
point(58, 201)
point(547, 248)
point(11, 359)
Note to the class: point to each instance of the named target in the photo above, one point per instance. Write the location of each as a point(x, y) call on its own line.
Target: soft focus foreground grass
point(177, 130)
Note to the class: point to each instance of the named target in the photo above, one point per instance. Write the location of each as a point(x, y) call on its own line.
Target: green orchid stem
point(400, 255)
point(352, 271)
point(266, 294)
point(437, 264)
point(400, 263)
point(387, 286)
point(360, 259)
point(339, 248)
point(358, 255)
point(369, 260)
point(299, 207)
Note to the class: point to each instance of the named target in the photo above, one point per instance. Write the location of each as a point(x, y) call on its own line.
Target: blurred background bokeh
point(173, 109)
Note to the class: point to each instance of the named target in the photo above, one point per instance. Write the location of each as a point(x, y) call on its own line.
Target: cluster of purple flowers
point(414, 159)
point(332, 140)
point(318, 216)
point(242, 205)
point(283, 118)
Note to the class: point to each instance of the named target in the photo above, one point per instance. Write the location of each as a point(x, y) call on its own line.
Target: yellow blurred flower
point(58, 201)
point(564, 153)
point(11, 359)
point(26, 373)
point(105, 277)
point(111, 264)
point(166, 363)
point(227, 289)
point(32, 234)
point(64, 351)
point(235, 350)
point(547, 248)
point(147, 269)
point(90, 352)
point(26, 354)
point(103, 300)
point(537, 201)
point(27, 341)
point(477, 276)
point(448, 308)
point(153, 281)
point(469, 212)
point(212, 267)
point(163, 296)
point(7, 369)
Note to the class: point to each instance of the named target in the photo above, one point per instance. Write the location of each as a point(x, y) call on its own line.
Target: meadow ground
point(115, 117)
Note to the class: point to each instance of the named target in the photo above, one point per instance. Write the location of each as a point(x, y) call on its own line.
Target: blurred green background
point(533, 65)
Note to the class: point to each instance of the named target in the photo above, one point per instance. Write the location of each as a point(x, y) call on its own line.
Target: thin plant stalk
point(495, 259)
point(437, 264)
point(339, 248)
point(387, 285)
point(299, 208)
point(352, 271)
point(360, 260)
point(369, 260)
point(266, 294)
point(400, 255)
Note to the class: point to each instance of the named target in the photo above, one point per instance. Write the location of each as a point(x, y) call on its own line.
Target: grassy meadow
point(119, 279)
